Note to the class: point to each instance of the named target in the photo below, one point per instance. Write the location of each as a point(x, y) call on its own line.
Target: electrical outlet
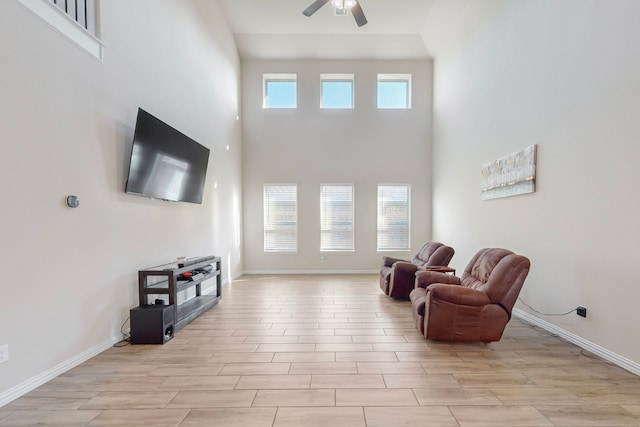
point(581, 311)
point(4, 353)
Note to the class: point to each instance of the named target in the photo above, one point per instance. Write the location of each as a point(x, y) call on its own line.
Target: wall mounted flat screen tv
point(166, 164)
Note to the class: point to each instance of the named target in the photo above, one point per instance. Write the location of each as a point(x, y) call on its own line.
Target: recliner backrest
point(499, 273)
point(433, 253)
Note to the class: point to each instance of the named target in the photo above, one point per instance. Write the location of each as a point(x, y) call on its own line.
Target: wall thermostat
point(73, 201)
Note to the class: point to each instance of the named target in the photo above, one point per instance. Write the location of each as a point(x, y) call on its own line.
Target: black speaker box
point(151, 324)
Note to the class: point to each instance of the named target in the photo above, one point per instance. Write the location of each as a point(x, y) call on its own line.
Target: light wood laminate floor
point(302, 351)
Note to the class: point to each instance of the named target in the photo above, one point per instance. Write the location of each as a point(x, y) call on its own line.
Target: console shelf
point(163, 280)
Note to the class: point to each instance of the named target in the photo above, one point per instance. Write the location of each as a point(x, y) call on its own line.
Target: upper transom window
point(394, 91)
point(279, 91)
point(336, 90)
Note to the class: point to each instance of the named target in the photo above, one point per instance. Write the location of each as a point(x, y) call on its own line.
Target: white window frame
point(383, 221)
point(277, 77)
point(343, 78)
point(274, 224)
point(386, 78)
point(328, 228)
point(65, 25)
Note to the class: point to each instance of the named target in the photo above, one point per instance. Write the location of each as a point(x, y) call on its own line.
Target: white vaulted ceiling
point(277, 29)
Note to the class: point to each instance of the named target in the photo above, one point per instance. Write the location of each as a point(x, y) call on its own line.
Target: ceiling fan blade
point(314, 7)
point(358, 14)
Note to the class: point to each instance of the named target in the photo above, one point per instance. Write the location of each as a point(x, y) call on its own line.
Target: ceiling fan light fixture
point(343, 4)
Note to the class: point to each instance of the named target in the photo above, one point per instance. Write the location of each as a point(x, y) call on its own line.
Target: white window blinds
point(280, 218)
point(394, 217)
point(336, 218)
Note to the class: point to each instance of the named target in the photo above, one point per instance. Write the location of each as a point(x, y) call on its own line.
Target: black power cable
point(545, 314)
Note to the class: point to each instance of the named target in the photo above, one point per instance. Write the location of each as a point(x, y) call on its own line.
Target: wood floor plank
point(230, 417)
point(409, 417)
point(500, 416)
point(589, 415)
point(319, 417)
point(68, 418)
point(140, 418)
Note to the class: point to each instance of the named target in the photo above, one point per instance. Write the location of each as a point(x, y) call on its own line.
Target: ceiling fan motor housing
point(343, 5)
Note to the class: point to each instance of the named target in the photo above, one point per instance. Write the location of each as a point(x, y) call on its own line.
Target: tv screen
point(166, 164)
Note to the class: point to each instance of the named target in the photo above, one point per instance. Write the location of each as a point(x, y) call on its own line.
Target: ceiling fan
point(340, 5)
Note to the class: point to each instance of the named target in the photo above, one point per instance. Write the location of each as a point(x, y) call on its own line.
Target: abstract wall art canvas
point(510, 175)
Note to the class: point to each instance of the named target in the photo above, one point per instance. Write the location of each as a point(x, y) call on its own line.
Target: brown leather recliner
point(397, 276)
point(474, 307)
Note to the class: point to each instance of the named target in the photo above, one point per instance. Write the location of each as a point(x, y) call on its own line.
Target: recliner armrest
point(405, 267)
point(425, 278)
point(459, 295)
point(388, 261)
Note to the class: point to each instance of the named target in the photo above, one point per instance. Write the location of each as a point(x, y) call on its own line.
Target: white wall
point(66, 125)
point(563, 75)
point(310, 147)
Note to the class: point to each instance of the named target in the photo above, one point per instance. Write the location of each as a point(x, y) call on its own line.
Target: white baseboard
point(234, 277)
point(602, 352)
point(311, 272)
point(35, 382)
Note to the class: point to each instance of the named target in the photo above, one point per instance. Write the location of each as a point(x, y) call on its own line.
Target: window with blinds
point(394, 217)
point(336, 218)
point(281, 218)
